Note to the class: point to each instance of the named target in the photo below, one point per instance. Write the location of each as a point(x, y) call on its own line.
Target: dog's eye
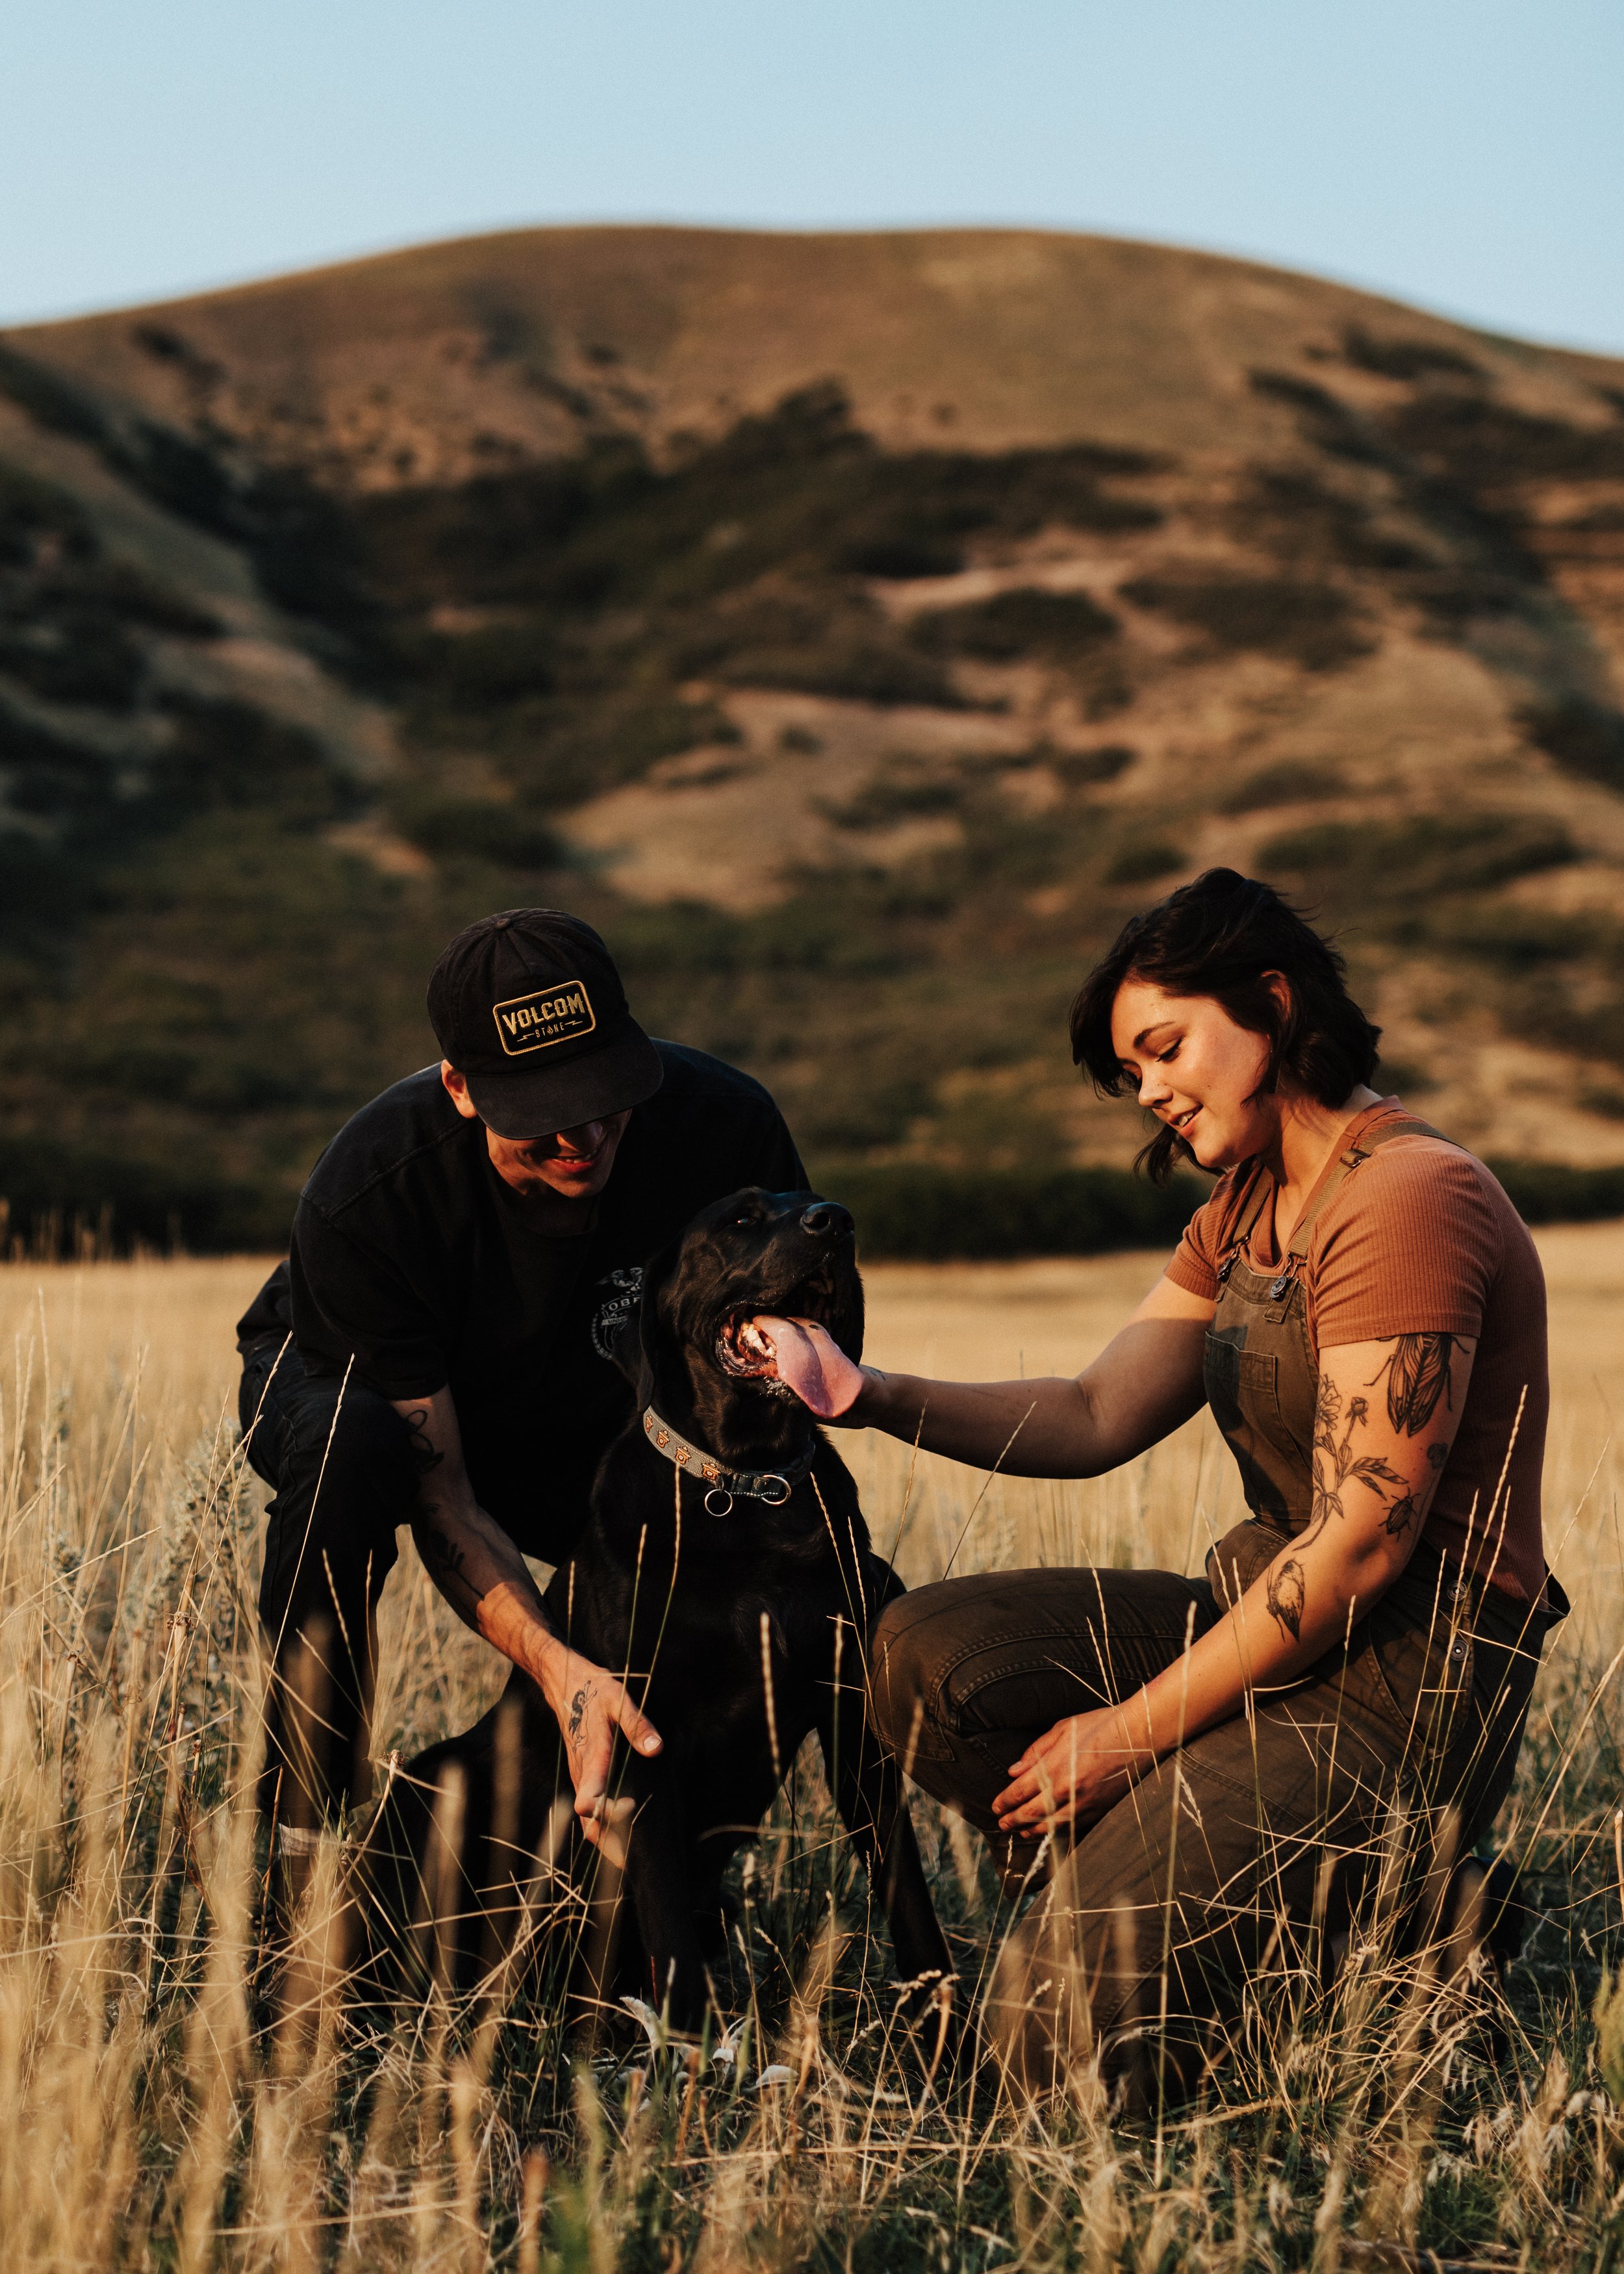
point(746, 1217)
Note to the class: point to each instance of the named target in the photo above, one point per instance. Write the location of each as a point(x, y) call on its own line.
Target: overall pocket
point(1240, 1559)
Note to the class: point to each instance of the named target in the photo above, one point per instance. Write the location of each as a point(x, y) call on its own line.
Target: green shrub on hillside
point(1083, 769)
point(557, 754)
point(899, 792)
point(232, 755)
point(1585, 739)
point(1313, 624)
point(70, 618)
point(1405, 359)
point(1548, 1192)
point(1418, 859)
point(1061, 628)
point(854, 669)
point(936, 1215)
point(74, 655)
point(479, 829)
point(1142, 860)
point(1290, 781)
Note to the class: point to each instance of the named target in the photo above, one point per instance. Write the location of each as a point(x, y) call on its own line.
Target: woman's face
point(1197, 1071)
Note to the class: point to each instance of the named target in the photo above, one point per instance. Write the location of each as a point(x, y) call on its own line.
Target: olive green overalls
point(1235, 1862)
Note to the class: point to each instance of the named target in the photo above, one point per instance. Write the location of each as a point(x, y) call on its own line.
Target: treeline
point(55, 1203)
point(919, 1214)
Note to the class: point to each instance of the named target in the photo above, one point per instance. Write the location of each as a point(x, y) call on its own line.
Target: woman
point(1364, 1312)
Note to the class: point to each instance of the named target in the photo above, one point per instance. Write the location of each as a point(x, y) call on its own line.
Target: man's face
point(574, 1165)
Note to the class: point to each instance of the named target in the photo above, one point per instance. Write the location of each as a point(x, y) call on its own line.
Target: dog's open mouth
point(741, 1349)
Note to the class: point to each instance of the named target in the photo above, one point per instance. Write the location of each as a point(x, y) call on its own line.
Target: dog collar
point(774, 1485)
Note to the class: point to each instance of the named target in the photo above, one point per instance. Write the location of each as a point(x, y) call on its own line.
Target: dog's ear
point(853, 1320)
point(658, 1275)
point(847, 1324)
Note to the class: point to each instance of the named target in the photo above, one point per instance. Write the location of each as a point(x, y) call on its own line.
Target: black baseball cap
point(529, 1007)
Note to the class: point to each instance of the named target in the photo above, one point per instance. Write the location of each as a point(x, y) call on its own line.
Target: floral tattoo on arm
point(1419, 1379)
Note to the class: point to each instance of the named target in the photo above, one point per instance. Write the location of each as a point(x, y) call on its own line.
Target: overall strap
point(1407, 1125)
point(1240, 1239)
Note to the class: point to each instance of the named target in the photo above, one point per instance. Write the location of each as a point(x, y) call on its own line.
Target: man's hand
point(590, 1706)
point(1073, 1774)
point(488, 1585)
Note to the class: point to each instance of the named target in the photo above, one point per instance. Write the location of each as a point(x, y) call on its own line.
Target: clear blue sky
point(1467, 156)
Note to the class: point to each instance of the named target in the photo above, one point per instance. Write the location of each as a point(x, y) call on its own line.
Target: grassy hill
point(855, 628)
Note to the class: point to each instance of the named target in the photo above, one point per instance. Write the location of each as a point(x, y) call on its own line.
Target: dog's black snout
point(826, 1219)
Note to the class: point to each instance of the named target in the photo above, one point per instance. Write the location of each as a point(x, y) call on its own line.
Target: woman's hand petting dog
point(1072, 1775)
point(589, 1706)
point(806, 1358)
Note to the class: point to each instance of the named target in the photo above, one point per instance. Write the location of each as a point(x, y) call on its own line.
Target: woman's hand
point(1079, 1769)
point(808, 1359)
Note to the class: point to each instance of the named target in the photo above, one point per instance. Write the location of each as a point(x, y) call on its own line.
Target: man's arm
point(487, 1582)
point(1386, 1415)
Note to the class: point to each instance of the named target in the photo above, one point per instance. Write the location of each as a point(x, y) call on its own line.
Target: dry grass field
point(154, 2111)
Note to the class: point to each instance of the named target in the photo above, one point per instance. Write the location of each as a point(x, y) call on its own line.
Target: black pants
point(336, 1458)
point(1218, 1869)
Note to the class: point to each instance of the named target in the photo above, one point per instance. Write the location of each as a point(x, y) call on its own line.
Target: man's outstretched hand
point(809, 1360)
point(590, 1706)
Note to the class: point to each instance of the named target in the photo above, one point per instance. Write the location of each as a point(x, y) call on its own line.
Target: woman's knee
point(900, 1675)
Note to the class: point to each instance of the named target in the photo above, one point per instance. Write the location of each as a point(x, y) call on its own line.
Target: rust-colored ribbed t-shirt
point(1421, 1239)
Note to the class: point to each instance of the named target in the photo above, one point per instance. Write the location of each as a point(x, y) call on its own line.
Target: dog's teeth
point(751, 1339)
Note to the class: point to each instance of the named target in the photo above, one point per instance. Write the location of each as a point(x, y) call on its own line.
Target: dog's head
point(789, 1254)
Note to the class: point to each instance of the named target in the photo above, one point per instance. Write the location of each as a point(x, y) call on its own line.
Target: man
point(437, 1350)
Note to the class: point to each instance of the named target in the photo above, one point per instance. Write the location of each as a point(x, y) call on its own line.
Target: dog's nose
point(826, 1218)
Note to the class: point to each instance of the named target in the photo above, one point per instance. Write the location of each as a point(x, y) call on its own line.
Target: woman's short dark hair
point(1218, 937)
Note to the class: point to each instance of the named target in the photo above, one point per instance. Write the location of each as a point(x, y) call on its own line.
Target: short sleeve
point(353, 1307)
point(1410, 1244)
point(1194, 1266)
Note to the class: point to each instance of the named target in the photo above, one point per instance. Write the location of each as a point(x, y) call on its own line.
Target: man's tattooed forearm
point(425, 1454)
point(445, 1559)
point(1285, 1595)
point(1418, 1374)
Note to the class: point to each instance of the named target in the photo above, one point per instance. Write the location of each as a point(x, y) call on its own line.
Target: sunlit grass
point(159, 2108)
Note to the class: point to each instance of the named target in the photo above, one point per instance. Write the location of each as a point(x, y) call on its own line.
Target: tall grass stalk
point(166, 2102)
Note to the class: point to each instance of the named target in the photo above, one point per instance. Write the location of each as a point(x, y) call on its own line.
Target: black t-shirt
point(413, 1266)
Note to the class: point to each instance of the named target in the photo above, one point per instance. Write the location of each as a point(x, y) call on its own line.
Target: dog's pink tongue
point(811, 1363)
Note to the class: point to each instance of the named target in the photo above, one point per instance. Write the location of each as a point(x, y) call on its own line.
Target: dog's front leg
point(867, 1785)
point(657, 1883)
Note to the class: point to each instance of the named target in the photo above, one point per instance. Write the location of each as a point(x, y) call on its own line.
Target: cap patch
point(552, 1014)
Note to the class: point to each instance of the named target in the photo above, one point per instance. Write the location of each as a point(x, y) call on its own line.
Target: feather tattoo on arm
point(1419, 1375)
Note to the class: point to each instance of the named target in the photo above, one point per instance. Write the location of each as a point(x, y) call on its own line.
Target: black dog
point(726, 1574)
